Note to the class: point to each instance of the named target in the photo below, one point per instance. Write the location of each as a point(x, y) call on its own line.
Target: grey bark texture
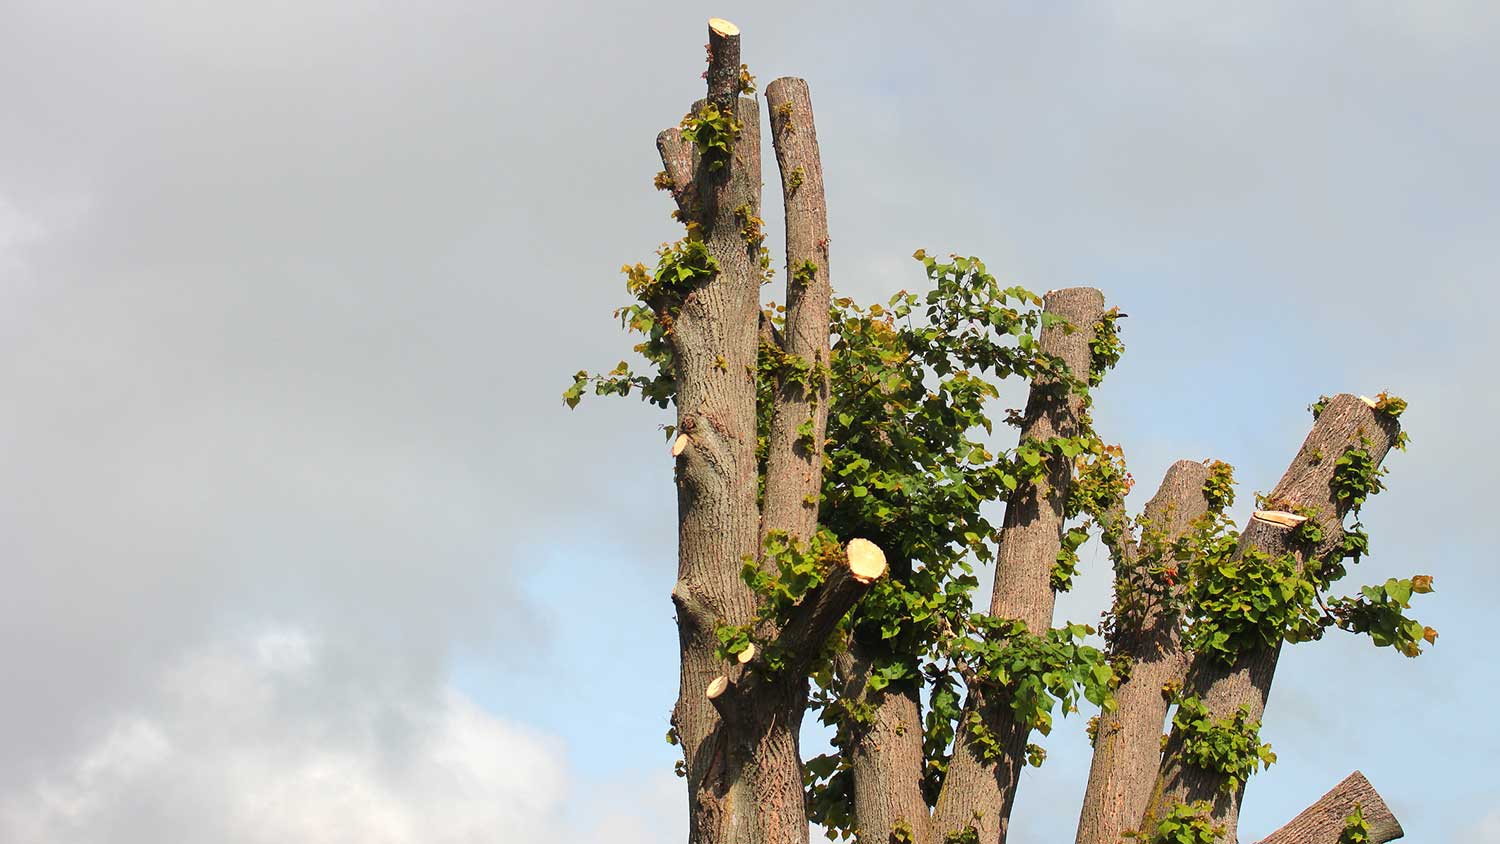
point(1346, 421)
point(979, 792)
point(1323, 821)
point(1127, 747)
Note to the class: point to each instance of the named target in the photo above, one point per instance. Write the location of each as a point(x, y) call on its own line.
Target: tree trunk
point(886, 756)
point(977, 792)
point(1127, 744)
point(714, 340)
point(1346, 421)
point(1323, 821)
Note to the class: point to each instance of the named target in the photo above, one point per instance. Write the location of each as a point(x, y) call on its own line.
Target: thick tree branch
point(1127, 745)
point(1345, 422)
point(799, 421)
point(978, 792)
point(1323, 821)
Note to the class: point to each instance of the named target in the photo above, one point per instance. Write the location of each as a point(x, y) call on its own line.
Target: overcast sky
point(300, 544)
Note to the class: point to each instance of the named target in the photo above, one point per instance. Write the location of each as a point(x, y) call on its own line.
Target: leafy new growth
point(1105, 348)
point(1186, 824)
point(1218, 490)
point(713, 132)
point(804, 273)
point(1230, 746)
point(1356, 830)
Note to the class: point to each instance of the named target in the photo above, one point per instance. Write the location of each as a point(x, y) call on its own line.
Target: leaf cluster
point(1229, 746)
point(1190, 823)
point(1036, 673)
point(713, 132)
point(1379, 612)
point(1356, 829)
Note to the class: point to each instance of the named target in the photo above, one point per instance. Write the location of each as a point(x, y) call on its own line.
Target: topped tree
point(831, 462)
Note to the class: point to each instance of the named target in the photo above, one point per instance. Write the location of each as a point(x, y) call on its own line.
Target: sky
point(300, 543)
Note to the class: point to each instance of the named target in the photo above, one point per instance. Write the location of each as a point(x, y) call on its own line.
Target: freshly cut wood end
point(723, 27)
point(717, 686)
point(746, 655)
point(1279, 517)
point(679, 445)
point(866, 560)
point(1369, 401)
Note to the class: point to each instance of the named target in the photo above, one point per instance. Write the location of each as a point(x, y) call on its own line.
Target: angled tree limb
point(978, 792)
point(802, 637)
point(1127, 744)
point(1346, 421)
point(1323, 821)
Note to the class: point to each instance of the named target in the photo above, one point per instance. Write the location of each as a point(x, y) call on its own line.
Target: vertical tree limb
point(1127, 744)
point(723, 72)
point(794, 463)
point(977, 791)
point(885, 755)
point(1323, 821)
point(1346, 421)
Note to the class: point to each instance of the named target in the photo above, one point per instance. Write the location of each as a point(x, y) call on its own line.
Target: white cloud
point(239, 744)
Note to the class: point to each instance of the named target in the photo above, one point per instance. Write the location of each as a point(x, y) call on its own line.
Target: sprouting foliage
point(1190, 823)
point(1230, 746)
point(1356, 829)
point(713, 132)
point(747, 82)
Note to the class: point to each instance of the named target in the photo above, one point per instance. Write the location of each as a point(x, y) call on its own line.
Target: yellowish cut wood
point(1279, 517)
point(1369, 401)
point(747, 654)
point(723, 27)
point(717, 686)
point(679, 445)
point(866, 560)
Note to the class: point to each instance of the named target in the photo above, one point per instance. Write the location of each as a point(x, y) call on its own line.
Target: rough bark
point(1323, 821)
point(1346, 421)
point(794, 463)
point(886, 756)
point(1127, 747)
point(978, 792)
